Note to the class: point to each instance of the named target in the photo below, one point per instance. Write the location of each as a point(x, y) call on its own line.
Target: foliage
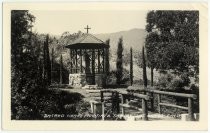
point(119, 62)
point(173, 40)
point(25, 76)
point(107, 65)
point(46, 62)
point(61, 65)
point(126, 57)
point(144, 68)
point(131, 66)
point(173, 83)
point(111, 78)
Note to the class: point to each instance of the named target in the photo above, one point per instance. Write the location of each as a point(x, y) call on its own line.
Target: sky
point(57, 22)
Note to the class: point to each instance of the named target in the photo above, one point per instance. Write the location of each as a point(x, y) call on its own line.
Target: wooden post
point(159, 101)
point(190, 110)
point(122, 102)
point(113, 102)
point(103, 115)
point(117, 103)
point(144, 109)
point(152, 101)
point(102, 96)
point(102, 103)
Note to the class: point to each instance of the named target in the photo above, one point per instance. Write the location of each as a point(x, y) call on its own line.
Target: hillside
point(134, 37)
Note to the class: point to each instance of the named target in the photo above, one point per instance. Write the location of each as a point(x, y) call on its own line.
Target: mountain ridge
point(131, 38)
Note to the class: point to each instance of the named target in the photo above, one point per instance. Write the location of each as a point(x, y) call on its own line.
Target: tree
point(131, 66)
point(61, 70)
point(107, 65)
point(46, 62)
point(144, 68)
point(169, 31)
point(52, 62)
point(25, 76)
point(119, 62)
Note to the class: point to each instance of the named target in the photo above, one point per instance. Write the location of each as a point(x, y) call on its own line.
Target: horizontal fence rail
point(151, 91)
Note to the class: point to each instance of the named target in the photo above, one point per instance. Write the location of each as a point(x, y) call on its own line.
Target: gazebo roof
point(87, 41)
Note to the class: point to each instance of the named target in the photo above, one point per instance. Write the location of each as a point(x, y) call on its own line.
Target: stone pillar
point(77, 80)
point(100, 79)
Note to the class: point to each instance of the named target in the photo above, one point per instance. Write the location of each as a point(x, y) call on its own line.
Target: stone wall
point(77, 80)
point(100, 79)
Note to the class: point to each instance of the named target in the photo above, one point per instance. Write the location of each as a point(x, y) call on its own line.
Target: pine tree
point(107, 65)
point(61, 69)
point(131, 66)
point(119, 62)
point(52, 61)
point(144, 68)
point(46, 62)
point(48, 67)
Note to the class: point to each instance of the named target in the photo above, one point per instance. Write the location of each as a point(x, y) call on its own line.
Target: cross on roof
point(87, 28)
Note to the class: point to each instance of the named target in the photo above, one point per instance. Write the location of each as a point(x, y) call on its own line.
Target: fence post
point(113, 102)
point(122, 102)
point(190, 110)
point(144, 109)
point(159, 101)
point(102, 104)
point(118, 103)
point(152, 101)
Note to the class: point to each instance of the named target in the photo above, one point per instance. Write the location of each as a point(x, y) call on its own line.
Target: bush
point(111, 78)
point(126, 77)
point(185, 79)
point(174, 83)
point(164, 80)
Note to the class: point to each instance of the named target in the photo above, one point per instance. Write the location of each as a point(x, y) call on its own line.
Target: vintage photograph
point(109, 65)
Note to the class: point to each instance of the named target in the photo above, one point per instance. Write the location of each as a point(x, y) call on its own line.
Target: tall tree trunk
point(131, 66)
point(61, 65)
point(119, 62)
point(144, 68)
point(48, 64)
point(152, 75)
point(44, 65)
point(52, 61)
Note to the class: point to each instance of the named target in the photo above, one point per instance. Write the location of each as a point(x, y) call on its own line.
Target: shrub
point(174, 83)
point(126, 77)
point(164, 80)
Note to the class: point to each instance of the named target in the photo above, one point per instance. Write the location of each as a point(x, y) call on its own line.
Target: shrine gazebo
point(87, 61)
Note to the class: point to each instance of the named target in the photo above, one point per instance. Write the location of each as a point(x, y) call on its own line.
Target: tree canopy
point(173, 40)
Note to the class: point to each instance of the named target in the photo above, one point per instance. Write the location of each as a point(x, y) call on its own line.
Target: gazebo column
point(73, 61)
point(103, 62)
point(99, 61)
point(76, 60)
point(93, 66)
point(70, 53)
point(81, 60)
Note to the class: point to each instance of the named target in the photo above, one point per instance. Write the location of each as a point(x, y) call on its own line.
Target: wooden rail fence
point(151, 92)
point(148, 95)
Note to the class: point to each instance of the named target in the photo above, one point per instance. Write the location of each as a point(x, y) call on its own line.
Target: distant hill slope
point(133, 37)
